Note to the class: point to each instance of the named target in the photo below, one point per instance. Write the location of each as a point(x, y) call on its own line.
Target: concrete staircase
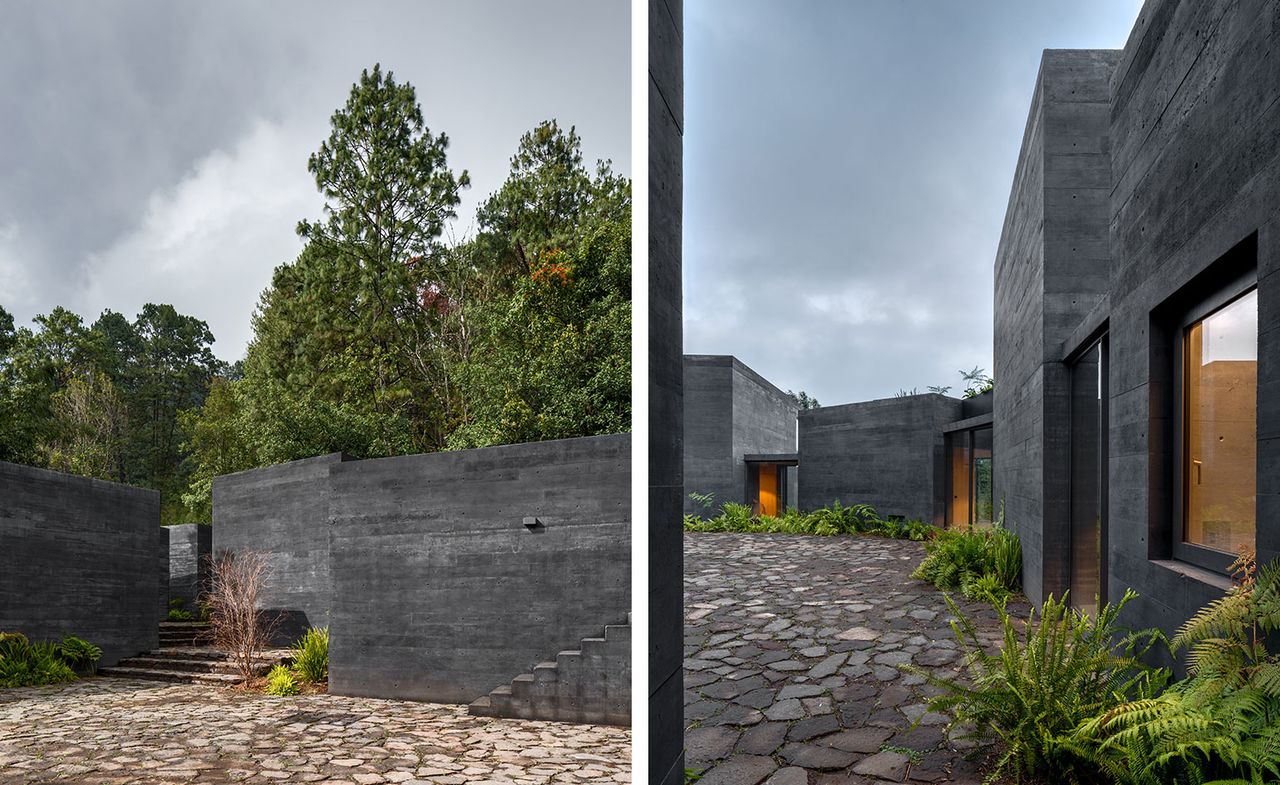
point(590, 684)
point(184, 657)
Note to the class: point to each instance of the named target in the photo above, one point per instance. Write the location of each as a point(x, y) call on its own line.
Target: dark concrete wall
point(1195, 140)
point(190, 546)
point(666, 430)
point(1050, 272)
point(709, 456)
point(283, 512)
point(729, 411)
point(764, 422)
point(886, 453)
point(441, 593)
point(80, 557)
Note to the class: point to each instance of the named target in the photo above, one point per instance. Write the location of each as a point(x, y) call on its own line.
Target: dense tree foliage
point(380, 338)
point(103, 400)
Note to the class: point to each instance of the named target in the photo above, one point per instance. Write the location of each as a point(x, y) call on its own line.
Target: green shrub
point(177, 612)
point(78, 653)
point(1223, 722)
point(26, 664)
point(311, 655)
point(1059, 669)
point(979, 563)
point(833, 520)
point(280, 681)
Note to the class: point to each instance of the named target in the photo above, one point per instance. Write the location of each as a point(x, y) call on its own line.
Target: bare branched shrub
point(236, 581)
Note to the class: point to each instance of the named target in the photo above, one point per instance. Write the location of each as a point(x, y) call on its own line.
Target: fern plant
point(1222, 723)
point(311, 655)
point(1049, 675)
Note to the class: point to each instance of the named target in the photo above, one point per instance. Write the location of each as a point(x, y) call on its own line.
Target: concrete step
point(183, 677)
point(588, 684)
point(193, 665)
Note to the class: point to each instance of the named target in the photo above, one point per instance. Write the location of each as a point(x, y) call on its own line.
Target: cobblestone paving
point(108, 731)
point(792, 648)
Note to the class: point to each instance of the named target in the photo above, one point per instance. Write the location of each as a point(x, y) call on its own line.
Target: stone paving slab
point(117, 731)
point(793, 648)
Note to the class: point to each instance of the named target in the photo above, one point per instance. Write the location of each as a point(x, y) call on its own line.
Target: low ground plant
point(1222, 723)
point(311, 655)
point(81, 655)
point(1050, 675)
point(833, 520)
point(26, 664)
point(979, 563)
point(280, 681)
point(177, 612)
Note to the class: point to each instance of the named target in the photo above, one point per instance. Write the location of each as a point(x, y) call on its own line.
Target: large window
point(971, 501)
point(1218, 429)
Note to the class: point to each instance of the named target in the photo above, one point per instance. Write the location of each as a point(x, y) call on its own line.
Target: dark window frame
point(1215, 300)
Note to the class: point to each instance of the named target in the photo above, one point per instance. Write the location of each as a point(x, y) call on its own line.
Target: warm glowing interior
point(1221, 426)
point(768, 489)
point(958, 509)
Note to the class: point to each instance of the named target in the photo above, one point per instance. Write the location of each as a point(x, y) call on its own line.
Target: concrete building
point(740, 436)
point(1136, 307)
point(925, 457)
point(915, 456)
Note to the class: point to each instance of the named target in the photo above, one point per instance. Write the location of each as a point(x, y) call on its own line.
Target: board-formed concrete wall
point(1163, 160)
point(441, 592)
point(282, 511)
point(1195, 141)
point(666, 429)
point(887, 453)
point(190, 546)
point(80, 557)
point(730, 411)
point(1050, 271)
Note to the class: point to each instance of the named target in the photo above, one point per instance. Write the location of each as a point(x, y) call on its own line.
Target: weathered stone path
point(116, 731)
point(792, 648)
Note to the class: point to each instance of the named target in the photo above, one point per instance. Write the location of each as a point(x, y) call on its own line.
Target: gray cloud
point(157, 151)
point(847, 167)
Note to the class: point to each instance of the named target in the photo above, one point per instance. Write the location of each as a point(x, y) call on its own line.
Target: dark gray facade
point(440, 590)
point(1154, 173)
point(282, 511)
point(666, 383)
point(1050, 271)
point(442, 576)
point(190, 546)
point(730, 411)
point(80, 557)
point(886, 453)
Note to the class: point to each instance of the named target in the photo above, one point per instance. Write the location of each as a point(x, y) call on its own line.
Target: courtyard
point(116, 731)
point(793, 648)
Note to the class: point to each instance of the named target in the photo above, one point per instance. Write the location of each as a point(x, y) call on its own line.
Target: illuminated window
point(1219, 429)
point(971, 503)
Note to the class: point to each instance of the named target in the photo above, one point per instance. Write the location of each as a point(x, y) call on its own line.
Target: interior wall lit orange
point(959, 507)
point(1220, 468)
point(768, 490)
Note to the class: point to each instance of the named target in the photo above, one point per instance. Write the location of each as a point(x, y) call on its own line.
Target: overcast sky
point(847, 167)
point(157, 151)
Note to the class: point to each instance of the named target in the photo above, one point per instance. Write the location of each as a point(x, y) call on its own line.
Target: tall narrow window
point(983, 501)
point(1088, 478)
point(1220, 427)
